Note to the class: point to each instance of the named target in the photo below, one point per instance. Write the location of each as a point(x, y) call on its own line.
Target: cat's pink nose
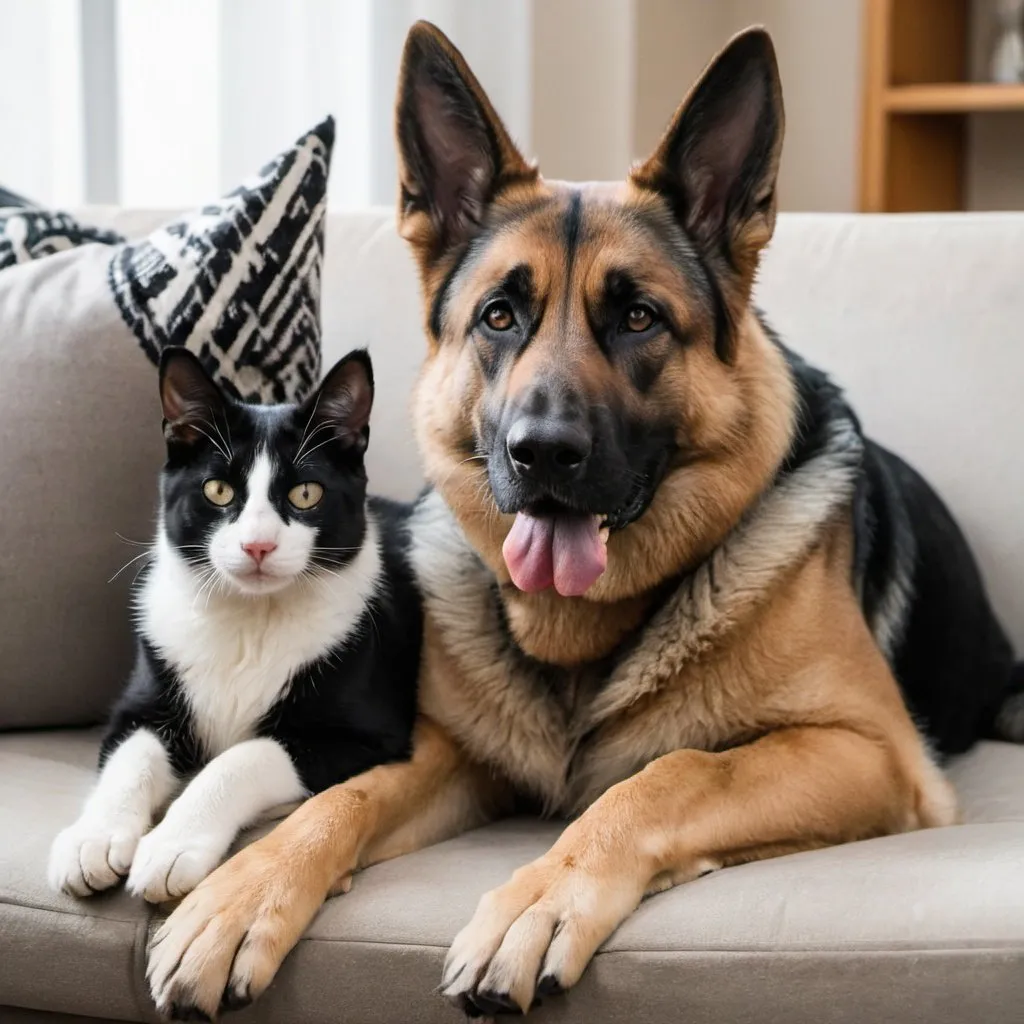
point(259, 549)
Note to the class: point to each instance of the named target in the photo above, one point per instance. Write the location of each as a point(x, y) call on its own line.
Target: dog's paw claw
point(549, 985)
point(472, 1011)
point(236, 998)
point(493, 1004)
point(186, 1011)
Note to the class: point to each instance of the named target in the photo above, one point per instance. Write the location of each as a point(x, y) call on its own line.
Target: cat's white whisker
point(213, 441)
point(315, 448)
point(135, 543)
point(312, 416)
point(224, 448)
point(227, 427)
point(325, 425)
point(149, 553)
point(204, 579)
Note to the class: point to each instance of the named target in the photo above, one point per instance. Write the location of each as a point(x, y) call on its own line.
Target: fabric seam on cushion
point(1013, 945)
point(70, 913)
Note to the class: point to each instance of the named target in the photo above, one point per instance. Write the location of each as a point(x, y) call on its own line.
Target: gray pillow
point(83, 316)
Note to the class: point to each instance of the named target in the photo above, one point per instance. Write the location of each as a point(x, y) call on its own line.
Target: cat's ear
point(190, 398)
point(454, 153)
point(343, 402)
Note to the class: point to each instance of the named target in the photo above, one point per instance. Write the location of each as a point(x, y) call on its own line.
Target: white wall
point(583, 87)
point(187, 97)
point(819, 50)
point(168, 101)
point(675, 41)
point(41, 110)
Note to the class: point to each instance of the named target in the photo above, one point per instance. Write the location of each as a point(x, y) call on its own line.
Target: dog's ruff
point(459, 594)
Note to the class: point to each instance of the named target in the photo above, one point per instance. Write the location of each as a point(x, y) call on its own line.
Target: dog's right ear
point(719, 158)
point(454, 153)
point(190, 398)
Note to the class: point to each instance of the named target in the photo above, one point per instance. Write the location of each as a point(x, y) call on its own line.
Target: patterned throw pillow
point(29, 234)
point(238, 281)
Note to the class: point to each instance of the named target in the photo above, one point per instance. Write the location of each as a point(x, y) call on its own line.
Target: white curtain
point(168, 103)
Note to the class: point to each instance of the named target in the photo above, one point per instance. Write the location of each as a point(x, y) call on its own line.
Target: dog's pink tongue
point(566, 551)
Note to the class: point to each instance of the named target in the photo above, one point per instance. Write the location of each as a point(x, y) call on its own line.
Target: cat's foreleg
point(234, 790)
point(96, 851)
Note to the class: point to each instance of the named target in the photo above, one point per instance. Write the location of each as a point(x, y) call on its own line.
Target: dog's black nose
point(548, 450)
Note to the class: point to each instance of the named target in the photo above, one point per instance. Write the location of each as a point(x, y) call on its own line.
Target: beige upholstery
point(831, 935)
point(79, 440)
point(922, 318)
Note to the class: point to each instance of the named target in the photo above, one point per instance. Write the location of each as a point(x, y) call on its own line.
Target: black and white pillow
point(238, 281)
point(29, 233)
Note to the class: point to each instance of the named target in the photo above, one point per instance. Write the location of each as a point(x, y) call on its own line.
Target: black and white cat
point(278, 634)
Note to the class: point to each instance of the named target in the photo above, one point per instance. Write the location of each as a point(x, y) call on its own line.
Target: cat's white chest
point(235, 656)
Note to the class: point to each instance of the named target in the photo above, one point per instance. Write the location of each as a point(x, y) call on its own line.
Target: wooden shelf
point(953, 98)
point(917, 101)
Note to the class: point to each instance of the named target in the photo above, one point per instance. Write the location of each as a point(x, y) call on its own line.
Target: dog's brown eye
point(499, 317)
point(638, 318)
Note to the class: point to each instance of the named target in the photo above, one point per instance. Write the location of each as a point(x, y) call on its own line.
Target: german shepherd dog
point(670, 591)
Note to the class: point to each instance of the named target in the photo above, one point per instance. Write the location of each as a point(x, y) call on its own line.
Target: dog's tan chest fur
point(723, 660)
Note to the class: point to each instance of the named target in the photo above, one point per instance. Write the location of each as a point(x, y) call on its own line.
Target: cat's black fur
point(355, 707)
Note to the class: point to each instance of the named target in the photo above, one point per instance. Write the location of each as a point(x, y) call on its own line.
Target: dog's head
point(598, 404)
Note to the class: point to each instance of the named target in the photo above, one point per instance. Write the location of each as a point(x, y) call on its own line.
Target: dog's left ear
point(454, 153)
point(719, 159)
point(341, 405)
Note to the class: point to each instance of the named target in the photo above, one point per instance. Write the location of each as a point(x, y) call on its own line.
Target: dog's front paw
point(224, 943)
point(93, 854)
point(534, 936)
point(169, 865)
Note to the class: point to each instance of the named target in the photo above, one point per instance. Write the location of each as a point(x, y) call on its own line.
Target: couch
point(920, 317)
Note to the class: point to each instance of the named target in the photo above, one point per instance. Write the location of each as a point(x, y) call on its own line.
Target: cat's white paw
point(169, 865)
point(93, 855)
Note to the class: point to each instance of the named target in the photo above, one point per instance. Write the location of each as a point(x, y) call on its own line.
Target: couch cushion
point(923, 927)
point(59, 953)
point(80, 447)
point(920, 318)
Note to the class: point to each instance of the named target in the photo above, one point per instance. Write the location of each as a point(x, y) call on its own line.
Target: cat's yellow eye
point(306, 495)
point(219, 492)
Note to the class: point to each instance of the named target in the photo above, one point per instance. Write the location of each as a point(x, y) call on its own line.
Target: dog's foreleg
point(224, 943)
point(685, 814)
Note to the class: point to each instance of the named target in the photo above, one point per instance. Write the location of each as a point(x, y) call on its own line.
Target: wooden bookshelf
point(956, 98)
point(916, 99)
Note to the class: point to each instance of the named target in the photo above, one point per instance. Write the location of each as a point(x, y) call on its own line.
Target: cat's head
point(261, 497)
